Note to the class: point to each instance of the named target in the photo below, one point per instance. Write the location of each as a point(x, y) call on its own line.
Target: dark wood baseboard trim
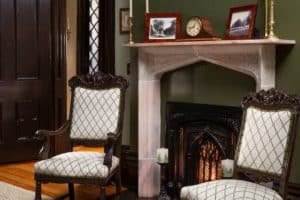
point(293, 190)
point(129, 167)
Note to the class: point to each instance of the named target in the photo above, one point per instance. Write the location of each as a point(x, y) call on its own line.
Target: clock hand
point(191, 24)
point(194, 25)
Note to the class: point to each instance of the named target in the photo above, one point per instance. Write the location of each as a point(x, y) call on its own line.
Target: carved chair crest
point(98, 80)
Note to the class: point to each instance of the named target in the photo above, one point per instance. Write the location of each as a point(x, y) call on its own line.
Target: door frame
point(59, 112)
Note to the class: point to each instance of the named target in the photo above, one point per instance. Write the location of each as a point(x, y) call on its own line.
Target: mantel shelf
point(256, 58)
point(213, 43)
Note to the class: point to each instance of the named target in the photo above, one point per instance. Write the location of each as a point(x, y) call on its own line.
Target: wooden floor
point(22, 175)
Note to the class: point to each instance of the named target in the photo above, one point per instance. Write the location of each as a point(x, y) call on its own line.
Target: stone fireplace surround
point(255, 58)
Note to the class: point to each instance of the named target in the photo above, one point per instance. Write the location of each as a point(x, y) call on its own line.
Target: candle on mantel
point(130, 8)
point(147, 6)
point(227, 168)
point(162, 155)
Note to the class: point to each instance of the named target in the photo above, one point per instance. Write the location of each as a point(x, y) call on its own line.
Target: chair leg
point(118, 182)
point(71, 191)
point(38, 190)
point(102, 193)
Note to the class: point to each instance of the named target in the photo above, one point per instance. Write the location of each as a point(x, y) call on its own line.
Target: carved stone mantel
point(255, 58)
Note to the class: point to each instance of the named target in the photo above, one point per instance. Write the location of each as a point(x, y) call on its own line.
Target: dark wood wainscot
point(129, 168)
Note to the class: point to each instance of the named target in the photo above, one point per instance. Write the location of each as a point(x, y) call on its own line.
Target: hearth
point(199, 137)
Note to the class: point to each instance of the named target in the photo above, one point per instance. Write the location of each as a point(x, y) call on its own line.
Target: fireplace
point(199, 137)
point(255, 58)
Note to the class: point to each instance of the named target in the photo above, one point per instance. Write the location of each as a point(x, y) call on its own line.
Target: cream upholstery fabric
point(264, 140)
point(228, 190)
point(95, 113)
point(76, 164)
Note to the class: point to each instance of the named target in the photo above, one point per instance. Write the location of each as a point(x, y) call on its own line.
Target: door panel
point(27, 39)
point(26, 83)
point(1, 122)
point(27, 119)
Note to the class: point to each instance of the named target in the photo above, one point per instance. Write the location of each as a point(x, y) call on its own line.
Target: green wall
point(211, 84)
point(122, 57)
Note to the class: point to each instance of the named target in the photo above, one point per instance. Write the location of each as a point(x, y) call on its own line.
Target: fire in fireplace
point(209, 164)
point(199, 137)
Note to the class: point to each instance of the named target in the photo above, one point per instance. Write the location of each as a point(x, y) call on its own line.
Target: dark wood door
point(26, 76)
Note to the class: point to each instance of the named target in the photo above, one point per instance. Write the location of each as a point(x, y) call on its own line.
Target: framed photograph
point(240, 23)
point(124, 16)
point(161, 27)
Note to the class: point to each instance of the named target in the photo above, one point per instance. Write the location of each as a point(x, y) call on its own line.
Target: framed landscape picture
point(240, 23)
point(161, 27)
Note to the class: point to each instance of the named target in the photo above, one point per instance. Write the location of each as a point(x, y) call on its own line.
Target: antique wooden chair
point(263, 154)
point(96, 119)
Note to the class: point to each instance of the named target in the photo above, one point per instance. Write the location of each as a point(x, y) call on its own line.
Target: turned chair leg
point(38, 190)
point(71, 191)
point(102, 193)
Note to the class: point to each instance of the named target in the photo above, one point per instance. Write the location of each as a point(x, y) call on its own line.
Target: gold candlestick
point(266, 18)
point(130, 24)
point(272, 35)
point(147, 6)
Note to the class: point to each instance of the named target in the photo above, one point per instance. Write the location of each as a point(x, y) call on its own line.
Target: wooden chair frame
point(272, 100)
point(112, 146)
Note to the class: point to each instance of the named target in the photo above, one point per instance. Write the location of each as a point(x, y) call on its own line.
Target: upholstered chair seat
point(76, 165)
point(228, 190)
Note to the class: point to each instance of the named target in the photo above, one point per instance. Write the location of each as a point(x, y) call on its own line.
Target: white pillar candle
point(147, 6)
point(162, 155)
point(227, 168)
point(130, 8)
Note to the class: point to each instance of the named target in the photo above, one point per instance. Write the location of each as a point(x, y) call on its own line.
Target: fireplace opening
point(199, 137)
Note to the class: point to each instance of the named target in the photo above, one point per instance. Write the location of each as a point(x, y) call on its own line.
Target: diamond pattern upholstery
point(95, 113)
point(76, 165)
point(264, 140)
point(228, 190)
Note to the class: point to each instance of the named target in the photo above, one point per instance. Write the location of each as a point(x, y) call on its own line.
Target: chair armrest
point(44, 133)
point(109, 148)
point(45, 136)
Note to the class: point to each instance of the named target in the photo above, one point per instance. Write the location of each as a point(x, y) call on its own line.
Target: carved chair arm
point(112, 139)
point(45, 136)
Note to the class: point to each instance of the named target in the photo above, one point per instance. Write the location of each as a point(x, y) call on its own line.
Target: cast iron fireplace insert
point(199, 136)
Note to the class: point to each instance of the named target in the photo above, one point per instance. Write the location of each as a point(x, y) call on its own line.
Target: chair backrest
point(267, 136)
point(97, 106)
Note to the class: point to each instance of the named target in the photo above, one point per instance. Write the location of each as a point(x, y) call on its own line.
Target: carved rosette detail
point(98, 80)
point(272, 97)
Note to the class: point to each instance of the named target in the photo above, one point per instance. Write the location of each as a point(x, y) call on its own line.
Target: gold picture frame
point(124, 19)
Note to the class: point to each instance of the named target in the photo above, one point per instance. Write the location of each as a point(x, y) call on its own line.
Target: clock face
point(193, 27)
